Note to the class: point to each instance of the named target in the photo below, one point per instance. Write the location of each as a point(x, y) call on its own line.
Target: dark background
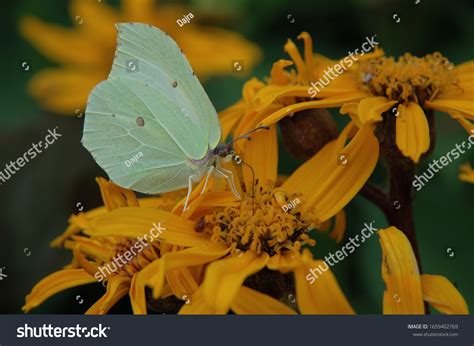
point(38, 200)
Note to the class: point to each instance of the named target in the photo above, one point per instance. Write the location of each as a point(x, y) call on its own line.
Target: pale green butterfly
point(151, 125)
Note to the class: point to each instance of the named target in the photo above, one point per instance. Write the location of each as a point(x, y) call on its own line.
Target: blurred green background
point(38, 200)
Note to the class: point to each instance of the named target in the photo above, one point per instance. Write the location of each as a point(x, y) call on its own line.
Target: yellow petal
point(308, 53)
point(323, 296)
point(468, 126)
point(326, 182)
point(335, 101)
point(277, 73)
point(229, 118)
point(115, 196)
point(284, 262)
point(400, 273)
point(54, 283)
point(137, 295)
point(248, 301)
point(465, 107)
point(225, 277)
point(89, 266)
point(442, 295)
point(339, 226)
point(141, 221)
point(271, 93)
point(197, 305)
point(141, 11)
point(370, 109)
point(98, 21)
point(182, 282)
point(261, 153)
point(413, 132)
point(154, 274)
point(94, 248)
point(219, 199)
point(293, 52)
point(117, 288)
point(60, 44)
point(200, 46)
point(64, 90)
point(466, 173)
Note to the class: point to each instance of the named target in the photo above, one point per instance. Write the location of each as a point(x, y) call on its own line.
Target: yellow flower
point(85, 52)
point(367, 89)
point(283, 94)
point(466, 173)
point(412, 88)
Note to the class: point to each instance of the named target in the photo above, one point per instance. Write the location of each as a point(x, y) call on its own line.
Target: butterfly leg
point(190, 188)
point(207, 178)
point(230, 179)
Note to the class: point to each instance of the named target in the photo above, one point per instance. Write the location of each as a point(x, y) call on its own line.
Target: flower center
point(410, 79)
point(270, 222)
point(135, 256)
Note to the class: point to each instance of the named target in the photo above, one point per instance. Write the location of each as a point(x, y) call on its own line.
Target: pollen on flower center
point(410, 79)
point(260, 224)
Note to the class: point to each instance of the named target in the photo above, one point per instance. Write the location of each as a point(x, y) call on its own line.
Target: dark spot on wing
point(140, 121)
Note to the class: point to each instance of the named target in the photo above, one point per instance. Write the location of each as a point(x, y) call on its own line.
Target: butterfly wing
point(157, 61)
point(135, 126)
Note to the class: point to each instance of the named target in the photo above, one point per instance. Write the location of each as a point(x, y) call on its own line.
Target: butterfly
point(151, 125)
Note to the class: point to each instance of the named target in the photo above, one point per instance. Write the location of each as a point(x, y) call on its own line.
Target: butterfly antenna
point(246, 135)
point(239, 160)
